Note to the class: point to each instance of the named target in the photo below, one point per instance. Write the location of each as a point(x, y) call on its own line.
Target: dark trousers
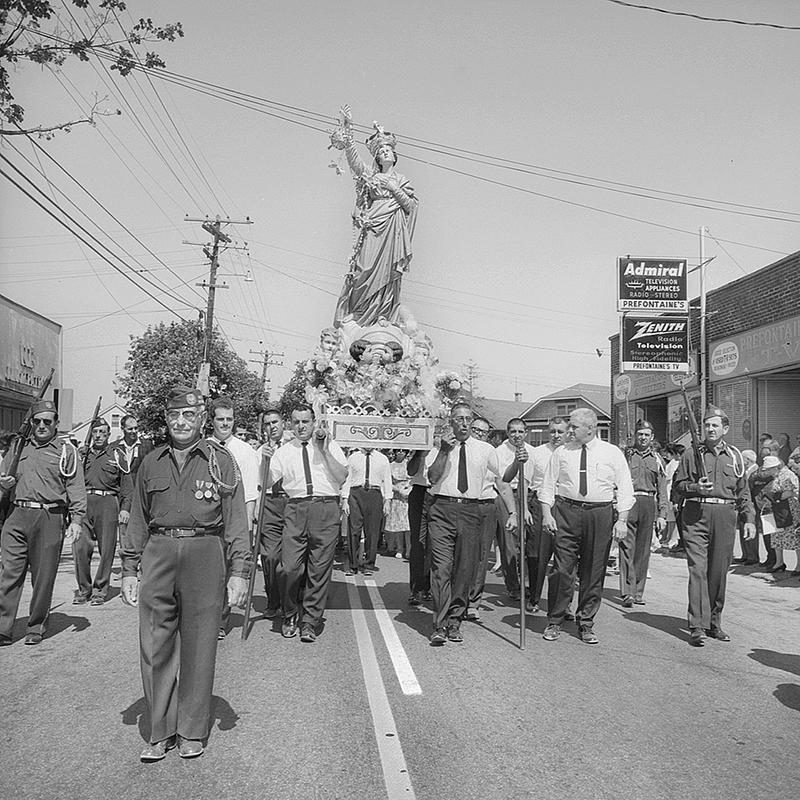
point(634, 549)
point(455, 534)
point(709, 536)
point(32, 538)
point(366, 514)
point(180, 602)
point(583, 538)
point(308, 545)
point(508, 548)
point(488, 525)
point(538, 571)
point(270, 531)
point(419, 562)
point(749, 546)
point(99, 524)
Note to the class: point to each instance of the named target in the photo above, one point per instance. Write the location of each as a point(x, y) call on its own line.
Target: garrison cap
point(184, 397)
point(714, 411)
point(644, 425)
point(99, 422)
point(43, 405)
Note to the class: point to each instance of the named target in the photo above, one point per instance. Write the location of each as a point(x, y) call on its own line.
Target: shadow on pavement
point(788, 694)
point(56, 623)
point(672, 625)
point(788, 662)
point(221, 713)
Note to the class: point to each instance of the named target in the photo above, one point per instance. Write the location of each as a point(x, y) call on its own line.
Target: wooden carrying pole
point(522, 504)
point(254, 551)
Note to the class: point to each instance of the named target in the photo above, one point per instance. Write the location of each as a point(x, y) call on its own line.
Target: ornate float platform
point(359, 426)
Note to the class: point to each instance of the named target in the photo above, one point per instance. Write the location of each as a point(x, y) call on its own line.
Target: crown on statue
point(380, 138)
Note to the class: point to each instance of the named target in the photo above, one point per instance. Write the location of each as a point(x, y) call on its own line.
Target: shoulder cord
point(63, 460)
point(738, 461)
point(119, 466)
point(214, 471)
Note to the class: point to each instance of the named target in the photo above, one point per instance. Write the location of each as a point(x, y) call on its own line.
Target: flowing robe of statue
point(384, 220)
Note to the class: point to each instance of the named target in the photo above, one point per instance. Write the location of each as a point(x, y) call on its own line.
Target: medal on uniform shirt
point(207, 494)
point(199, 494)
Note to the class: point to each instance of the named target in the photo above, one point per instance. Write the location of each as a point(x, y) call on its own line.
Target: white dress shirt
point(606, 471)
point(481, 458)
point(248, 462)
point(541, 458)
point(380, 472)
point(287, 465)
point(506, 453)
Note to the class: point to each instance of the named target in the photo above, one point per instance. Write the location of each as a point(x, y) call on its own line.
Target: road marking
point(393, 762)
point(402, 666)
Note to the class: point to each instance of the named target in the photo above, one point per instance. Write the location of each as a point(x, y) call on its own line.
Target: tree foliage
point(294, 392)
point(167, 355)
point(32, 30)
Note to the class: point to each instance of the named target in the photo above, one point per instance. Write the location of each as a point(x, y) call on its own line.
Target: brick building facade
point(752, 363)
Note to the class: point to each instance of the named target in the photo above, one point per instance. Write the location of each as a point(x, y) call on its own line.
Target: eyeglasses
point(479, 431)
point(39, 421)
point(189, 416)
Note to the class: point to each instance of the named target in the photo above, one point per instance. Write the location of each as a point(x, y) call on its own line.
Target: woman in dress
point(398, 530)
point(384, 218)
point(786, 511)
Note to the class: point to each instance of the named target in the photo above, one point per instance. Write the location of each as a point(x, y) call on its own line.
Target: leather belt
point(713, 500)
point(325, 498)
point(644, 494)
point(183, 533)
point(582, 504)
point(484, 501)
point(368, 488)
point(448, 499)
point(42, 506)
point(102, 492)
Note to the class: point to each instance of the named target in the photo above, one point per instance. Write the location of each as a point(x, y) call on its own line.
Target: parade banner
point(377, 430)
point(652, 284)
point(655, 343)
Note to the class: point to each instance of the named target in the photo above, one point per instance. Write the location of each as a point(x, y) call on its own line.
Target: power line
point(705, 19)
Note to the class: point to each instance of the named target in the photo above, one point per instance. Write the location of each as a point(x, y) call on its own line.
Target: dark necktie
point(583, 483)
point(307, 471)
point(366, 471)
point(463, 483)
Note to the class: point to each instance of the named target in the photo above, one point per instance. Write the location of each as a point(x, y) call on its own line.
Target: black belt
point(368, 488)
point(102, 492)
point(581, 504)
point(448, 499)
point(713, 500)
point(325, 498)
point(182, 533)
point(43, 506)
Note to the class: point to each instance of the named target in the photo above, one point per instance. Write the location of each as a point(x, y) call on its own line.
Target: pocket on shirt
point(157, 483)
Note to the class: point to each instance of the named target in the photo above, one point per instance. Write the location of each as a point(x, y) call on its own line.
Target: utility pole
point(214, 227)
point(266, 361)
point(702, 366)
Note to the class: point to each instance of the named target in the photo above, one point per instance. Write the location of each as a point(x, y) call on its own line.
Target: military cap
point(43, 405)
point(99, 422)
point(770, 462)
point(644, 425)
point(183, 397)
point(715, 411)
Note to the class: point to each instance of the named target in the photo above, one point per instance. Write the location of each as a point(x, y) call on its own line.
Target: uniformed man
point(109, 490)
point(312, 468)
point(648, 473)
point(188, 518)
point(134, 448)
point(46, 491)
point(713, 485)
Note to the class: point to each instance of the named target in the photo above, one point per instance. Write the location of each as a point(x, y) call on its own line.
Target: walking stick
point(521, 507)
point(254, 547)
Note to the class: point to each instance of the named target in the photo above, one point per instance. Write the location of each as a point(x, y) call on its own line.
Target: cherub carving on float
point(384, 218)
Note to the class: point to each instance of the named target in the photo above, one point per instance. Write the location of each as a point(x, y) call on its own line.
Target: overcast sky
point(518, 277)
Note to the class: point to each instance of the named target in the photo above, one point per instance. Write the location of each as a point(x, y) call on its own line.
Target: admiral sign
point(652, 284)
point(655, 343)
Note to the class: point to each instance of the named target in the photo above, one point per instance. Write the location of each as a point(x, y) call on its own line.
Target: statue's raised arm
point(384, 219)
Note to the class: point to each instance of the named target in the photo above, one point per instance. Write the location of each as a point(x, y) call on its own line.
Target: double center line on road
point(393, 762)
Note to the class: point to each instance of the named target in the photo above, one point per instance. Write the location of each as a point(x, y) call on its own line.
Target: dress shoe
point(5, 641)
point(718, 634)
point(271, 613)
point(627, 602)
point(472, 615)
point(697, 637)
point(221, 634)
point(639, 602)
point(33, 638)
point(307, 634)
point(569, 616)
point(551, 633)
point(190, 748)
point(96, 600)
point(157, 751)
point(366, 571)
point(589, 637)
point(454, 634)
point(780, 568)
point(352, 571)
point(531, 608)
point(415, 600)
point(289, 629)
point(438, 637)
point(79, 599)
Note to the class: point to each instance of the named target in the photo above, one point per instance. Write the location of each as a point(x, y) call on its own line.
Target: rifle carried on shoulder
point(87, 444)
point(695, 434)
point(21, 436)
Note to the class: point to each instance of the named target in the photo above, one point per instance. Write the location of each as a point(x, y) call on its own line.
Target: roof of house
point(499, 412)
point(597, 394)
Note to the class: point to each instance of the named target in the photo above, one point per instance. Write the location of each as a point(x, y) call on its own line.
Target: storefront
point(756, 379)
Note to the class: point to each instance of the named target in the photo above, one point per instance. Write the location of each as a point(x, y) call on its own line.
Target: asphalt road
point(372, 711)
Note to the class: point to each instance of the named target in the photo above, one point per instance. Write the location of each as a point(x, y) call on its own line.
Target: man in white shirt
point(312, 468)
point(246, 459)
point(457, 475)
point(577, 498)
point(365, 500)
